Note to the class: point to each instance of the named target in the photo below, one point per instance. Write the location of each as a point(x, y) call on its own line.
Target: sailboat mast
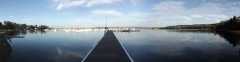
point(106, 27)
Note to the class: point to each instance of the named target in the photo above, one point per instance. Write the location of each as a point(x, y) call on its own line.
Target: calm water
point(143, 46)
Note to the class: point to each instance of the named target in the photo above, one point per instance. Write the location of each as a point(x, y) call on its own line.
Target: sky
point(141, 13)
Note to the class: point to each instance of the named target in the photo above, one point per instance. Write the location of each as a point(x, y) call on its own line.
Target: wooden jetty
point(108, 49)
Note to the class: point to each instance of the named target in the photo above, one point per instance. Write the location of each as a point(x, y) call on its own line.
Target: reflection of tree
point(232, 38)
point(5, 47)
point(37, 31)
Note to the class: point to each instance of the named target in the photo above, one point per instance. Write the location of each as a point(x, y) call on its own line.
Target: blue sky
point(151, 13)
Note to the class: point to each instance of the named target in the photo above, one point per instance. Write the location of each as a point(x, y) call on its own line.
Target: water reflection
point(64, 55)
point(36, 31)
point(231, 37)
point(143, 46)
point(179, 46)
point(5, 48)
point(95, 30)
point(49, 46)
point(5, 43)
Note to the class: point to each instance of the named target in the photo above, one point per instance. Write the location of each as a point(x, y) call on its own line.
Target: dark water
point(143, 46)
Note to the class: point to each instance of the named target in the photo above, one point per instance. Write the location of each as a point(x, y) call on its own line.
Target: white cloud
point(68, 3)
point(175, 13)
point(101, 2)
point(61, 4)
point(170, 8)
point(164, 13)
point(135, 2)
point(107, 13)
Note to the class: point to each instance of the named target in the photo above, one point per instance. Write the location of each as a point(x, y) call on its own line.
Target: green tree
point(10, 25)
point(41, 27)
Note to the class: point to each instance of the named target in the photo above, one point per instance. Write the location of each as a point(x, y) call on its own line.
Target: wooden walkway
point(108, 50)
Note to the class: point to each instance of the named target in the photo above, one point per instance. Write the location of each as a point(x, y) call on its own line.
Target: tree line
point(227, 25)
point(231, 24)
point(8, 25)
